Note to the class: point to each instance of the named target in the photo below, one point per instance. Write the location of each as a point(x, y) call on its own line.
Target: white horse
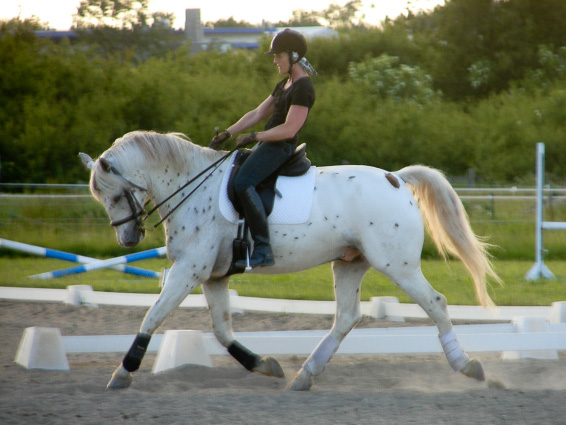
point(361, 217)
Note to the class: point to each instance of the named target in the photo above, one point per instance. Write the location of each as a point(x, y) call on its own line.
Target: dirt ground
point(385, 389)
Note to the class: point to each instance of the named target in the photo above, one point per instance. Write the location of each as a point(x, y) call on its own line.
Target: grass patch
point(449, 278)
point(81, 226)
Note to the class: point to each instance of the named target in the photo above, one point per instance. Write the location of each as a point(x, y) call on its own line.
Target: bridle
point(139, 214)
point(135, 206)
point(137, 209)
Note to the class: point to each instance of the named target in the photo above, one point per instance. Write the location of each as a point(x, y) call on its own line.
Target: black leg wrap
point(248, 359)
point(134, 357)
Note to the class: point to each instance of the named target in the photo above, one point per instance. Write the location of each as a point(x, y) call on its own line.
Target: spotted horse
point(360, 217)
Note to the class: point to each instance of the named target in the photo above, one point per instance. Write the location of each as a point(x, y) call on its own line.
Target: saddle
point(297, 165)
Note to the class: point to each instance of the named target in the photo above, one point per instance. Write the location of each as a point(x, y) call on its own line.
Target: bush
point(59, 99)
point(385, 77)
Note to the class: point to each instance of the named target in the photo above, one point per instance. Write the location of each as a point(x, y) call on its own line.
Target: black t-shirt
point(300, 93)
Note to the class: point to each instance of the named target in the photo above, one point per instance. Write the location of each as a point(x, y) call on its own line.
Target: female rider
point(287, 108)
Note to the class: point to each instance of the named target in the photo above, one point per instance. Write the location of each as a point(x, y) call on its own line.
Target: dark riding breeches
point(265, 159)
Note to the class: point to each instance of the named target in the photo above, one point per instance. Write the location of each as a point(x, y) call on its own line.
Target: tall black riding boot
point(257, 221)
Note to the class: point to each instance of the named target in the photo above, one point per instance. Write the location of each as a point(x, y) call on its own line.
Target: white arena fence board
point(284, 306)
point(463, 312)
point(239, 303)
point(479, 338)
point(410, 340)
point(498, 337)
point(105, 343)
point(33, 294)
point(136, 300)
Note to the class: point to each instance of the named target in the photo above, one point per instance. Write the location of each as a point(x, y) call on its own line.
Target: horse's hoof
point(121, 378)
point(302, 382)
point(270, 367)
point(474, 369)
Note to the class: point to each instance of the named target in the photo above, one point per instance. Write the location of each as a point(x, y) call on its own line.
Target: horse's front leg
point(347, 279)
point(218, 298)
point(175, 290)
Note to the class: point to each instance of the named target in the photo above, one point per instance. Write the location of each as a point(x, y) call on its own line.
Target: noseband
point(135, 206)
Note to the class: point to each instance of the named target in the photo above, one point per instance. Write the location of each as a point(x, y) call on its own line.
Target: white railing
point(410, 340)
point(387, 308)
point(533, 332)
point(479, 193)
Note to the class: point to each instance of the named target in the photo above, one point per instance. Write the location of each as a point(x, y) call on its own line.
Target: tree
point(27, 27)
point(335, 16)
point(482, 46)
point(126, 28)
point(346, 16)
point(122, 14)
point(302, 18)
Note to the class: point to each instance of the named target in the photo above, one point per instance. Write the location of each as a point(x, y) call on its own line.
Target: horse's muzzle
point(131, 239)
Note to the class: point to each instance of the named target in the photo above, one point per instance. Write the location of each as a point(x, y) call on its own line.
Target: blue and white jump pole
point(61, 255)
point(102, 264)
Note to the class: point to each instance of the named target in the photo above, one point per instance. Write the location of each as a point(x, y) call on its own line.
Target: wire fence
point(42, 213)
point(480, 202)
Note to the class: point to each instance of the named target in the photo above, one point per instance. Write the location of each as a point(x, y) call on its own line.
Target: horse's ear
point(105, 164)
point(87, 160)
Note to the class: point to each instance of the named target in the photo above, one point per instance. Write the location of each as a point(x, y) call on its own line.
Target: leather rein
point(140, 215)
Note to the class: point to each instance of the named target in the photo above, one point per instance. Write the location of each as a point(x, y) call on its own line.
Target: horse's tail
point(448, 224)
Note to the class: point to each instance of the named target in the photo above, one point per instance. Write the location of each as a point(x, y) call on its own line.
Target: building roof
point(238, 30)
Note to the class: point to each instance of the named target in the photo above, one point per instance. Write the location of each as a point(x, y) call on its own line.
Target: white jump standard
point(361, 217)
point(539, 269)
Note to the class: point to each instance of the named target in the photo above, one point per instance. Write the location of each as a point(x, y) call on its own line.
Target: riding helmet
point(289, 41)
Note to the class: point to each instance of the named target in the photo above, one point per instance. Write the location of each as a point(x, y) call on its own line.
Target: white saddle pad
point(293, 207)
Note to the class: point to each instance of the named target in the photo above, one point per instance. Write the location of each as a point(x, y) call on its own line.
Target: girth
point(297, 165)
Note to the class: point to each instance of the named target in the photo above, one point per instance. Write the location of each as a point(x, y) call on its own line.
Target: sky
point(59, 13)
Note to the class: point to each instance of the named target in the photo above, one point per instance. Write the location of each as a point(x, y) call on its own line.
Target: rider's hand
point(219, 139)
point(246, 139)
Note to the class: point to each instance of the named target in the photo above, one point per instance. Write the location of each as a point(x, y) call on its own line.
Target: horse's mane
point(150, 146)
point(138, 148)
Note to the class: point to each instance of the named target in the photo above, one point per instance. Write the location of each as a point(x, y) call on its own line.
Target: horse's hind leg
point(347, 279)
point(434, 304)
point(218, 298)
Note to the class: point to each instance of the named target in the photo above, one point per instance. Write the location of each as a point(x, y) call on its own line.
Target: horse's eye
point(116, 198)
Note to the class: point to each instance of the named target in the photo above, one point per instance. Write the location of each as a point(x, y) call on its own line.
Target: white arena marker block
point(42, 348)
point(525, 324)
point(558, 312)
point(181, 347)
point(74, 295)
point(378, 309)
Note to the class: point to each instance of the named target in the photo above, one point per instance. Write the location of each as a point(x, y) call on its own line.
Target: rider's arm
point(250, 119)
point(296, 117)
